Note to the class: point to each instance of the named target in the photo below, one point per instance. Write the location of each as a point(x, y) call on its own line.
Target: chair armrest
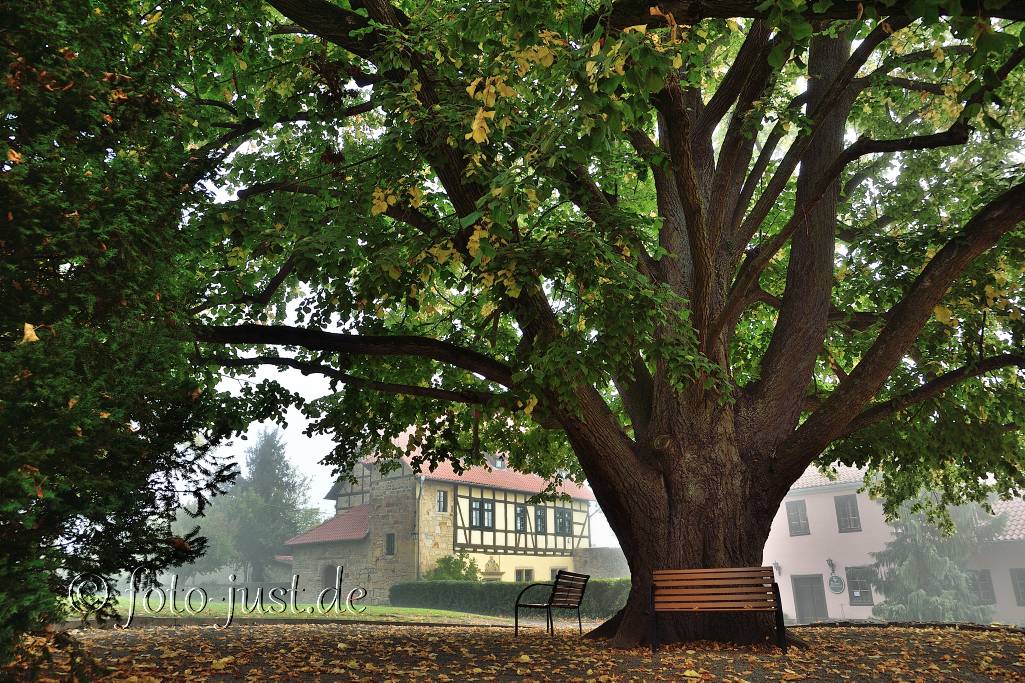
point(529, 587)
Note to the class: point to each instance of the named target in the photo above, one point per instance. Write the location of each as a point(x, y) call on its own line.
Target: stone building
point(394, 527)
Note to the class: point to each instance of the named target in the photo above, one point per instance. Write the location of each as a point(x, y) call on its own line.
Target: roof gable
point(350, 525)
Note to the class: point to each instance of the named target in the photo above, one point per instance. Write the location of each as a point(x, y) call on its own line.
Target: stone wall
point(392, 511)
point(436, 528)
point(310, 561)
point(601, 563)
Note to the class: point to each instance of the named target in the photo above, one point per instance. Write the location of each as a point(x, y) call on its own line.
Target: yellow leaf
point(503, 89)
point(29, 334)
point(944, 315)
point(479, 129)
point(104, 414)
point(13, 156)
point(379, 202)
point(691, 673)
point(242, 64)
point(416, 197)
point(677, 61)
point(220, 664)
point(526, 658)
point(473, 244)
point(72, 402)
point(487, 309)
point(991, 294)
point(545, 56)
point(473, 86)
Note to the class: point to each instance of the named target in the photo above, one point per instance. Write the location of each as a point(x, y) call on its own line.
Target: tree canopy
point(485, 195)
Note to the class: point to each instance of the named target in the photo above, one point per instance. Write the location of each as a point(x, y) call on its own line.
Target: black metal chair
point(567, 593)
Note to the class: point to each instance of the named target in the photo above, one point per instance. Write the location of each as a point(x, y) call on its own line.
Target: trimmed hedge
point(602, 599)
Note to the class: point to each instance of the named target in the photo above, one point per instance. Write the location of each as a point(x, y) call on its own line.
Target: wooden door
point(810, 598)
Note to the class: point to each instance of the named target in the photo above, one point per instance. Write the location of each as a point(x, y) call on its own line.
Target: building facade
point(824, 534)
point(393, 527)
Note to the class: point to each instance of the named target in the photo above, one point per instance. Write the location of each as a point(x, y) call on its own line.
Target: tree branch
point(745, 63)
point(935, 387)
point(903, 324)
point(330, 22)
point(308, 367)
point(367, 345)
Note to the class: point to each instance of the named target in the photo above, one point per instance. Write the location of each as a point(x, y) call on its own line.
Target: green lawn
point(217, 609)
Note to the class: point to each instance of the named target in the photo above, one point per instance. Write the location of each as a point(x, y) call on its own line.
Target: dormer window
point(499, 462)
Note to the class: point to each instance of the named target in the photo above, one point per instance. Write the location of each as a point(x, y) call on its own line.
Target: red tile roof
point(500, 478)
point(813, 478)
point(1014, 516)
point(351, 525)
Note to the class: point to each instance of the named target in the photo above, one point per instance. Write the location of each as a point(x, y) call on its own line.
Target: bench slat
point(706, 590)
point(700, 583)
point(712, 607)
point(712, 597)
point(755, 570)
point(662, 576)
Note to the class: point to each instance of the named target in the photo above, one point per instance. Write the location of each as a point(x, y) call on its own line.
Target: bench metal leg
point(781, 628)
point(653, 628)
point(580, 622)
point(550, 626)
point(516, 622)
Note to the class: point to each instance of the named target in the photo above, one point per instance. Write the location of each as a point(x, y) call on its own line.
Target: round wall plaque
point(836, 584)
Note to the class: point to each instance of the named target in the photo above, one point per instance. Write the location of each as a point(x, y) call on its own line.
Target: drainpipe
point(416, 521)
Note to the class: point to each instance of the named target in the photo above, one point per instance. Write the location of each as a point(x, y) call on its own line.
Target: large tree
point(269, 504)
point(681, 250)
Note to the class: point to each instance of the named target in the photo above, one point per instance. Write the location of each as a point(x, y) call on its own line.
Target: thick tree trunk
point(706, 509)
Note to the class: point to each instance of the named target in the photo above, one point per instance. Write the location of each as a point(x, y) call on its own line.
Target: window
point(524, 575)
point(563, 521)
point(541, 520)
point(442, 501)
point(489, 514)
point(797, 518)
point(859, 585)
point(499, 462)
point(980, 584)
point(389, 544)
point(847, 518)
point(521, 517)
point(1018, 582)
point(482, 514)
point(555, 572)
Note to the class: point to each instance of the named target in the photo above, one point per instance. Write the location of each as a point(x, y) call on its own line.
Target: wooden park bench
point(737, 589)
point(567, 593)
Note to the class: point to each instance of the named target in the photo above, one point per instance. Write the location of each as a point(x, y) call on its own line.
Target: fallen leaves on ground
point(362, 652)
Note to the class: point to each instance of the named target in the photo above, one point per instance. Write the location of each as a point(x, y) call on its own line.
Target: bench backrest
point(714, 590)
point(568, 589)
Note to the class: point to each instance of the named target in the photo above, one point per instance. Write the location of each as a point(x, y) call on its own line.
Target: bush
point(602, 598)
point(460, 567)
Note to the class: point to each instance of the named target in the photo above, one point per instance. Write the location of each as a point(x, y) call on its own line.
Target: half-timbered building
point(391, 527)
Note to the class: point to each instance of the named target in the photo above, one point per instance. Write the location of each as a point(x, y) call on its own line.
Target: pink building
point(823, 536)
